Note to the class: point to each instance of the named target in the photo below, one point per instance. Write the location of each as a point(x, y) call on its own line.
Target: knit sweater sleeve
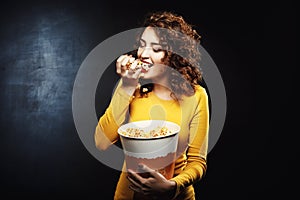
point(197, 145)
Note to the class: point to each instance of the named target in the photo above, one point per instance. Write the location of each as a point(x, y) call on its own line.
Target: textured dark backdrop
point(42, 45)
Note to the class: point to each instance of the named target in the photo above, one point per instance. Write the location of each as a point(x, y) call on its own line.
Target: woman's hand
point(126, 68)
point(151, 184)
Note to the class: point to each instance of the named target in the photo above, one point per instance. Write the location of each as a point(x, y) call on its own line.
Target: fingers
point(136, 74)
point(135, 186)
point(121, 64)
point(118, 64)
point(126, 61)
point(143, 172)
point(144, 168)
point(134, 64)
point(127, 66)
point(138, 183)
point(134, 178)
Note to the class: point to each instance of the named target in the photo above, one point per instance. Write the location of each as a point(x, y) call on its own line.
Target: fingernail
point(140, 166)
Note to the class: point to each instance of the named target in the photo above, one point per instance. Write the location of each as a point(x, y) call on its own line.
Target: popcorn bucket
point(150, 142)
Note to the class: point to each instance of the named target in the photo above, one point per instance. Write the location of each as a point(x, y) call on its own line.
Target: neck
point(162, 91)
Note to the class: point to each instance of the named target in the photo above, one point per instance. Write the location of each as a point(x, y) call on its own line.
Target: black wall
point(43, 44)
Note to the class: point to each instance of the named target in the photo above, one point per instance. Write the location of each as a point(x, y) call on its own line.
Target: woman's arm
point(198, 145)
point(114, 116)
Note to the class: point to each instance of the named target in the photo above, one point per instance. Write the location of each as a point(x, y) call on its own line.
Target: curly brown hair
point(182, 53)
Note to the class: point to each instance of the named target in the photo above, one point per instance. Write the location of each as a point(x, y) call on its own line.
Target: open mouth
point(145, 65)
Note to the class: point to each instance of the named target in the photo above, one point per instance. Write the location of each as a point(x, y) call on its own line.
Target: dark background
point(42, 45)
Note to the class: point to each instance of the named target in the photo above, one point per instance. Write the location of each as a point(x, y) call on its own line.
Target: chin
point(147, 76)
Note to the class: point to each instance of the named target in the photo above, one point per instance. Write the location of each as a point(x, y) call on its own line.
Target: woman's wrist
point(172, 189)
point(129, 89)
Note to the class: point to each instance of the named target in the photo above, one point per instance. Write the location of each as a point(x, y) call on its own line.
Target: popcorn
point(140, 133)
point(141, 65)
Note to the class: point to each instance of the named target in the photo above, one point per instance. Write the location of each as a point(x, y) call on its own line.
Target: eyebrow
point(152, 43)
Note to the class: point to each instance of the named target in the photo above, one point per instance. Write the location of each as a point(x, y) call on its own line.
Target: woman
point(161, 82)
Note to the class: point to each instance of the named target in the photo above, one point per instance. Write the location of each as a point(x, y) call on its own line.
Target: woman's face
point(150, 50)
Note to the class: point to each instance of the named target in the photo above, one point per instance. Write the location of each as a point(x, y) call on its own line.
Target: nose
point(146, 51)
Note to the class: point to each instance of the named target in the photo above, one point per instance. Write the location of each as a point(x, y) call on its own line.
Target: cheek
point(161, 70)
point(139, 52)
point(158, 57)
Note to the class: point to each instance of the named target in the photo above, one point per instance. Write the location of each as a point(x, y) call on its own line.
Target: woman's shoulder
point(199, 98)
point(200, 91)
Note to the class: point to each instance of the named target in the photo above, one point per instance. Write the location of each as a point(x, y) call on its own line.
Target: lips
point(144, 61)
point(146, 65)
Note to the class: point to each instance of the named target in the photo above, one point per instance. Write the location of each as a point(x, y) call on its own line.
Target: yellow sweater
point(191, 113)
